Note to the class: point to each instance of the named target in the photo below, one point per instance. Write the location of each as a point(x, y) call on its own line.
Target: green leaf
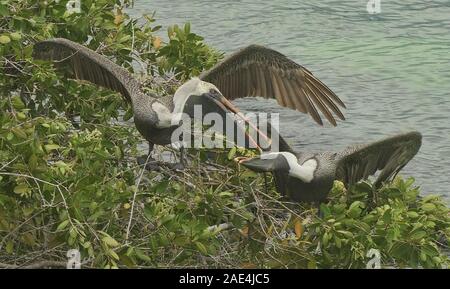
point(51, 147)
point(428, 207)
point(232, 153)
point(125, 38)
point(20, 115)
point(3, 10)
point(108, 240)
point(187, 28)
point(141, 255)
point(9, 247)
point(21, 189)
point(73, 232)
point(113, 254)
point(347, 234)
point(430, 250)
point(4, 39)
point(412, 214)
point(19, 132)
point(10, 136)
point(201, 248)
point(63, 225)
point(356, 204)
point(17, 102)
point(418, 235)
point(167, 218)
point(15, 36)
point(355, 209)
point(326, 211)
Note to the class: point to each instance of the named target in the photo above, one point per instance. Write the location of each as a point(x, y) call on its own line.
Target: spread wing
point(86, 64)
point(260, 71)
point(389, 156)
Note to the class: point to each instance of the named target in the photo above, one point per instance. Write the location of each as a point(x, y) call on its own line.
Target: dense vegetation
point(69, 179)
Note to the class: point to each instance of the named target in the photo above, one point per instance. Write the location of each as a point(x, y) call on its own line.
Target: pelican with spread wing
point(309, 177)
point(252, 71)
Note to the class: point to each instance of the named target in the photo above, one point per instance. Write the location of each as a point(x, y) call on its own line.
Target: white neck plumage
point(304, 172)
point(194, 86)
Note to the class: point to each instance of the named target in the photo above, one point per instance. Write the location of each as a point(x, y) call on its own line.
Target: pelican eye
point(214, 92)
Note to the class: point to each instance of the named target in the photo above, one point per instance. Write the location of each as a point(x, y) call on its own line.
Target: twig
point(7, 164)
point(220, 227)
point(134, 198)
point(18, 227)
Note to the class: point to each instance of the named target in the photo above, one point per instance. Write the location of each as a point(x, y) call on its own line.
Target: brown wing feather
point(270, 74)
point(86, 64)
point(389, 156)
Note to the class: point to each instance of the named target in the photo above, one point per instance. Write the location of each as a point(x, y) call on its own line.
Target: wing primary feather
point(283, 91)
point(326, 99)
point(295, 96)
point(317, 100)
point(256, 80)
point(239, 91)
point(311, 109)
point(325, 88)
point(86, 64)
point(388, 155)
point(277, 91)
point(250, 90)
point(233, 86)
point(262, 82)
point(299, 95)
point(270, 74)
point(269, 85)
point(244, 84)
point(289, 94)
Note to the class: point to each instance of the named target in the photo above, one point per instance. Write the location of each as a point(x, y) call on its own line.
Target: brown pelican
point(252, 71)
point(308, 177)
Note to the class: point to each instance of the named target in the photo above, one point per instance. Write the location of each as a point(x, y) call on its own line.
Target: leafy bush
point(404, 227)
point(102, 26)
point(68, 182)
point(185, 54)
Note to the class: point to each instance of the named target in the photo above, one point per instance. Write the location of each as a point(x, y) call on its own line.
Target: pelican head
point(281, 162)
point(196, 91)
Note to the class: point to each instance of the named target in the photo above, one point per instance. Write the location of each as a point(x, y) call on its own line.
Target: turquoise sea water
point(391, 69)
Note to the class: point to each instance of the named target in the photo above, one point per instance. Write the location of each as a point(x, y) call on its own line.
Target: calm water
point(392, 70)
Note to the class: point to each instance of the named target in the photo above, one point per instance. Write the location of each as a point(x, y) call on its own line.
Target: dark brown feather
point(86, 64)
point(319, 103)
point(325, 98)
point(388, 155)
point(272, 75)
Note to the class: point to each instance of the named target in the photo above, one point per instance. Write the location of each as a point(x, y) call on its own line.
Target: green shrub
point(185, 54)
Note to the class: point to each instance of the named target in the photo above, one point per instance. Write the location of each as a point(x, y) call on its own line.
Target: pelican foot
point(152, 164)
point(177, 166)
point(320, 214)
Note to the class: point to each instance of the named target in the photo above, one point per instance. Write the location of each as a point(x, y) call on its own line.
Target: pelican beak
point(230, 107)
point(257, 164)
